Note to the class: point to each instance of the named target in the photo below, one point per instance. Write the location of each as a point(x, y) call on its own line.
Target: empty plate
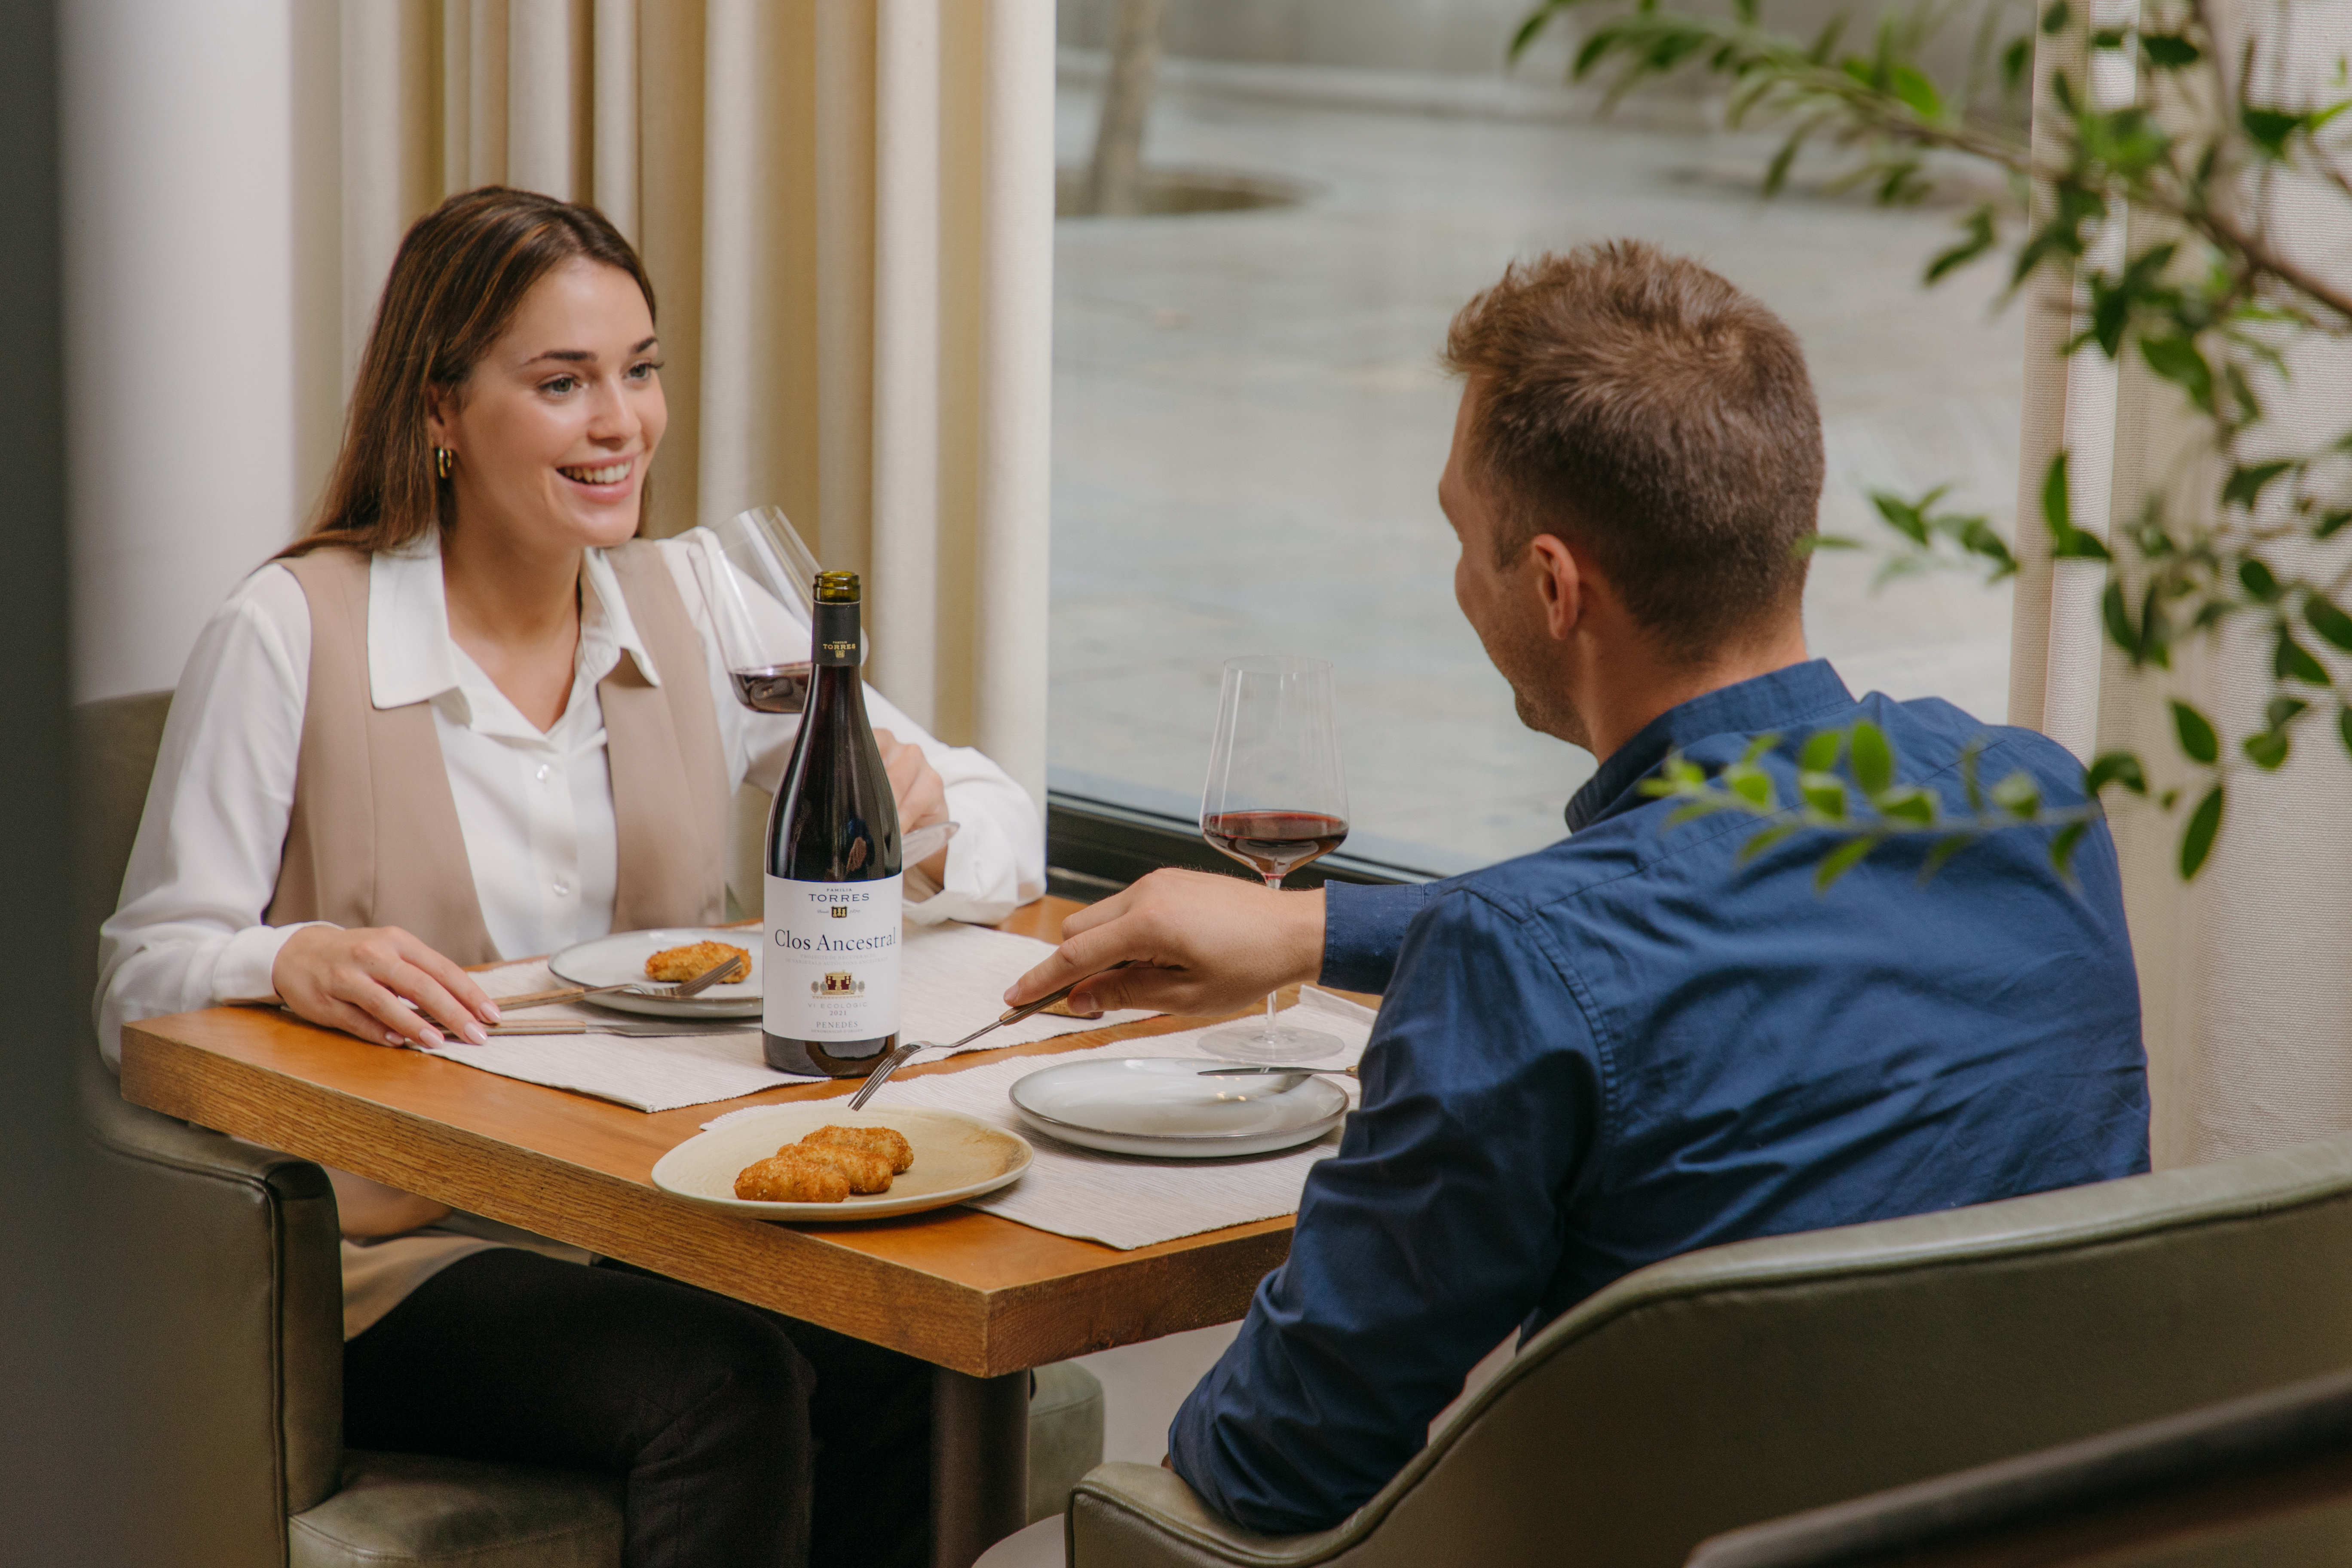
point(1162, 1106)
point(621, 957)
point(956, 1157)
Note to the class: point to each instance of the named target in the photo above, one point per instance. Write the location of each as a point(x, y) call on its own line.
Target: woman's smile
point(602, 481)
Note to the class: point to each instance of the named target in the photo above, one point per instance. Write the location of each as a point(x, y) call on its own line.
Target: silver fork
point(679, 993)
point(891, 1063)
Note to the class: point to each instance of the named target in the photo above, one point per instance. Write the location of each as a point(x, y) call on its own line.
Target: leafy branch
point(2156, 215)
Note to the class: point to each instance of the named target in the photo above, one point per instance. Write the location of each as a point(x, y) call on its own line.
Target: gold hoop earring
point(444, 460)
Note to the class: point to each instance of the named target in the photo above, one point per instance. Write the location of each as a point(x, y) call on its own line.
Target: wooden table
point(983, 1300)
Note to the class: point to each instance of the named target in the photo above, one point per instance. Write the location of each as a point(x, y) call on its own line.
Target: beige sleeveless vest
point(374, 840)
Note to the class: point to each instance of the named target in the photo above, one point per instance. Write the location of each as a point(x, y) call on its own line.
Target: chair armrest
point(229, 1259)
point(1142, 1516)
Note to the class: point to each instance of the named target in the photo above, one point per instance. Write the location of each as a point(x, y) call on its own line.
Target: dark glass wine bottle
point(830, 1004)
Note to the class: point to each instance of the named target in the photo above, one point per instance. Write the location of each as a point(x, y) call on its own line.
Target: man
point(1630, 1044)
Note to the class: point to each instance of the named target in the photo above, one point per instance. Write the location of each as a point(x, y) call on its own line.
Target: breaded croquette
point(675, 964)
point(792, 1176)
point(888, 1142)
point(867, 1172)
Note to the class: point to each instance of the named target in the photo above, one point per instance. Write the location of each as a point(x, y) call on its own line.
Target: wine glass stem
point(1274, 883)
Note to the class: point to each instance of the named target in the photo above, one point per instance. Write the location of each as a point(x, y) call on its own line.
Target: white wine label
point(831, 969)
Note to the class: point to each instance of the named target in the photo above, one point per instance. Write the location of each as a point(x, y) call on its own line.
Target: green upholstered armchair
point(241, 1243)
point(1744, 1382)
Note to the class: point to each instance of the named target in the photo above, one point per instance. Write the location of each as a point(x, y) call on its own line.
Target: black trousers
point(747, 1438)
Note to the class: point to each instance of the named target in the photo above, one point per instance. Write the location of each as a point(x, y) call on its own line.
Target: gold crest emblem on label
point(838, 982)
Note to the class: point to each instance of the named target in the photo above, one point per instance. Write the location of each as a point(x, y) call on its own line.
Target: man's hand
point(922, 793)
point(1201, 944)
point(364, 980)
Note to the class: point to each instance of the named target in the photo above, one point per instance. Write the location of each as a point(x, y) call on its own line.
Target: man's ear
point(1560, 582)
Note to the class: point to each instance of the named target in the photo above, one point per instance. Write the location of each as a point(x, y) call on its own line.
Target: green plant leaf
point(1910, 805)
point(2178, 360)
point(2258, 580)
point(1839, 861)
point(2280, 712)
point(1820, 752)
point(2266, 749)
point(2056, 18)
point(1917, 93)
point(2293, 661)
point(2328, 525)
point(2169, 51)
point(2019, 795)
point(1695, 810)
point(2246, 485)
point(2197, 840)
point(1978, 235)
point(2062, 850)
point(1759, 842)
point(2057, 510)
point(1758, 744)
point(2116, 614)
point(2328, 620)
point(2116, 768)
point(1873, 759)
point(2269, 128)
point(2198, 743)
point(1824, 794)
point(1942, 852)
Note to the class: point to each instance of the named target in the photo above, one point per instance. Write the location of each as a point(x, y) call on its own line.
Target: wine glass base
point(1249, 1040)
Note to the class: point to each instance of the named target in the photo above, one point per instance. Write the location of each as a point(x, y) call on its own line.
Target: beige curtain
point(846, 208)
point(2244, 985)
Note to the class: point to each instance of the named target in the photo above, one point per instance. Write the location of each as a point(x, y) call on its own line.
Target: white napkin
point(952, 979)
point(1121, 1200)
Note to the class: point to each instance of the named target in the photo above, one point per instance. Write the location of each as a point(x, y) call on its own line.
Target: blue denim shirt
point(1629, 1045)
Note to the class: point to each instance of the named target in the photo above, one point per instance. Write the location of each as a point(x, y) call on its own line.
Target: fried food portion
point(865, 1173)
point(792, 1176)
point(675, 964)
point(888, 1142)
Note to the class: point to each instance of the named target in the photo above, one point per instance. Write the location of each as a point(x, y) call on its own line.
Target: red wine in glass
point(772, 687)
point(1275, 843)
point(1276, 799)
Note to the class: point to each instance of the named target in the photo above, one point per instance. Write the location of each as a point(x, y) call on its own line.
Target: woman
point(471, 716)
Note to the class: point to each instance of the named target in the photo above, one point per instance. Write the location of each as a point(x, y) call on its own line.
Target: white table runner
point(1120, 1200)
point(951, 983)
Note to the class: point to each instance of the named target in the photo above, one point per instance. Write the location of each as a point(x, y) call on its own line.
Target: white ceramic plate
point(1161, 1106)
point(612, 960)
point(956, 1157)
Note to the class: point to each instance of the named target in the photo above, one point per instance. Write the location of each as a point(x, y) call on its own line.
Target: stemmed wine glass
point(758, 583)
point(760, 579)
point(1276, 799)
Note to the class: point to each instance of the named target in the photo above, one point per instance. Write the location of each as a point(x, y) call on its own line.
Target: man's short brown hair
point(1638, 406)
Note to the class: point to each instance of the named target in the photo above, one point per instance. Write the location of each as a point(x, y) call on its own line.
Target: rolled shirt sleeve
point(1423, 1241)
point(1364, 927)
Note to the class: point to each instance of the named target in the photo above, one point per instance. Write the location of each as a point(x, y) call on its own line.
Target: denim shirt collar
point(1781, 700)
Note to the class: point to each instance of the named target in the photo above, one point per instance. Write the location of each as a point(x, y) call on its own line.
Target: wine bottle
point(831, 1003)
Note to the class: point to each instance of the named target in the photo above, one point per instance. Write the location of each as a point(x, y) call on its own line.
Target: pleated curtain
point(846, 209)
point(2245, 982)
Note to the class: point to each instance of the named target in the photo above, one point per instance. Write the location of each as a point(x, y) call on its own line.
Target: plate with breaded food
point(665, 956)
point(823, 1161)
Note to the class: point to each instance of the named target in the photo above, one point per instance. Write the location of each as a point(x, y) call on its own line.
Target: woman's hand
point(922, 793)
point(362, 982)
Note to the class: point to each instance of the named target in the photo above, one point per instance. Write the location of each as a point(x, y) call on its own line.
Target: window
point(1250, 421)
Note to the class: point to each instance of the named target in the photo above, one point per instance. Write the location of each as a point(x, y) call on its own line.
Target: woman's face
point(554, 428)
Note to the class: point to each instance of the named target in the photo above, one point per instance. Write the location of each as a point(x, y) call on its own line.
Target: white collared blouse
point(536, 809)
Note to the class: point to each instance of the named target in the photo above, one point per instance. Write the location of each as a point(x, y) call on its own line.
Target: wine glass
point(757, 577)
point(1276, 799)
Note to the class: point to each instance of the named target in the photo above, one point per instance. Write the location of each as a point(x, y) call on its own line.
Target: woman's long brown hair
point(461, 275)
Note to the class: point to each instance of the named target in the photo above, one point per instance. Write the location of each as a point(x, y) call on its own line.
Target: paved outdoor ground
point(1249, 424)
